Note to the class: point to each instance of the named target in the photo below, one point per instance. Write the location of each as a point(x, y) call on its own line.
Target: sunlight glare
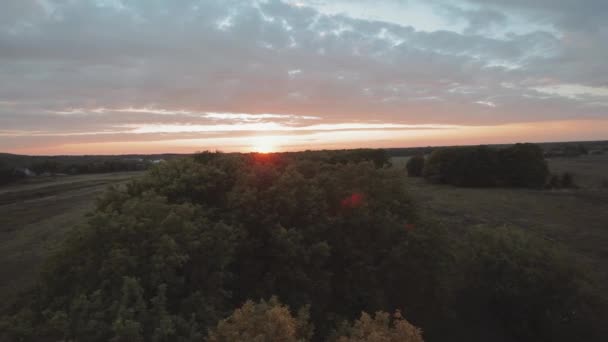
point(265, 144)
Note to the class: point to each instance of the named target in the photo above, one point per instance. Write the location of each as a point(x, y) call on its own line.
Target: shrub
point(567, 180)
point(415, 166)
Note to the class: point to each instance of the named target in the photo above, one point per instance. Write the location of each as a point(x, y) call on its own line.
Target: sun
point(264, 144)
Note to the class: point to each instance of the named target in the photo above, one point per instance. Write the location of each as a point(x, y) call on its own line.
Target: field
point(35, 216)
point(575, 218)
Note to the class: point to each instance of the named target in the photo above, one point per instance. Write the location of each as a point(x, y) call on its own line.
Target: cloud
point(486, 103)
point(77, 67)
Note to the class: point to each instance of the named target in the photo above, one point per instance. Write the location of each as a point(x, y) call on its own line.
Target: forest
point(310, 246)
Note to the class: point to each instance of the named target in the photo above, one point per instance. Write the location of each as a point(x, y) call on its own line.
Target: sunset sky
point(148, 76)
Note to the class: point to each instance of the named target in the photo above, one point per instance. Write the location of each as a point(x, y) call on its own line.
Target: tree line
point(36, 166)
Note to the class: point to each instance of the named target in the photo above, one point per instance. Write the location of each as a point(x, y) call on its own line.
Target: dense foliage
point(271, 321)
point(204, 234)
point(415, 166)
point(175, 252)
point(520, 165)
point(530, 288)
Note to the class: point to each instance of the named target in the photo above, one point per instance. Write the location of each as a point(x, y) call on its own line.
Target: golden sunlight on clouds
point(278, 141)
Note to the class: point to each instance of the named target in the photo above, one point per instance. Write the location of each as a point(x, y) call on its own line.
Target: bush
point(415, 165)
point(567, 180)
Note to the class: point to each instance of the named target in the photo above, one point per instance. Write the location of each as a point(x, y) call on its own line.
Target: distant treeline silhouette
point(17, 167)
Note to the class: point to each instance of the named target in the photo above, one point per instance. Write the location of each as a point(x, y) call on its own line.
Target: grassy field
point(35, 216)
point(575, 218)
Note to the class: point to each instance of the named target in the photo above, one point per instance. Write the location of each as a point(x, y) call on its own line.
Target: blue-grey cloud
point(292, 58)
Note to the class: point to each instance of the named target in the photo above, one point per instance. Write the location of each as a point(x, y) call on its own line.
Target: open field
point(590, 172)
point(575, 218)
point(34, 217)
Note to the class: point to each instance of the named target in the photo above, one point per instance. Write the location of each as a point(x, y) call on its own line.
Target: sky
point(151, 76)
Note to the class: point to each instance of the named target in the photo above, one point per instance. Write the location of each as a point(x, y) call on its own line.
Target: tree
point(381, 328)
point(415, 166)
point(463, 166)
point(267, 321)
point(523, 165)
point(530, 287)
